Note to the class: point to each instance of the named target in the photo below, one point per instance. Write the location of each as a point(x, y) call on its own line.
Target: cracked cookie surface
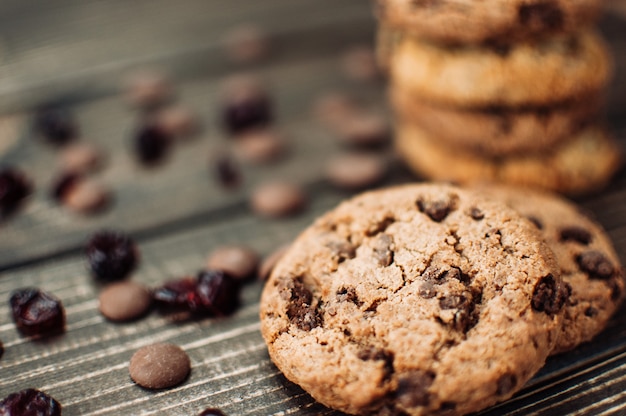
point(585, 255)
point(418, 299)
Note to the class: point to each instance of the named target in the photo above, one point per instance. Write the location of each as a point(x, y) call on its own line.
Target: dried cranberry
point(56, 125)
point(29, 402)
point(111, 255)
point(14, 188)
point(211, 411)
point(212, 292)
point(36, 312)
point(219, 291)
point(227, 172)
point(246, 111)
point(151, 144)
point(177, 294)
point(62, 184)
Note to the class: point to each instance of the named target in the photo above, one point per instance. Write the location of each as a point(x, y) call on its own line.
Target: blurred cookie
point(554, 70)
point(582, 164)
point(470, 21)
point(418, 299)
point(497, 130)
point(585, 255)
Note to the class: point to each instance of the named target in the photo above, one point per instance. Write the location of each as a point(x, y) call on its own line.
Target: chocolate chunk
point(476, 214)
point(342, 250)
point(465, 316)
point(159, 366)
point(596, 264)
point(536, 221)
point(348, 295)
point(436, 210)
point(300, 309)
point(433, 274)
point(427, 290)
point(380, 226)
point(506, 383)
point(425, 3)
point(548, 296)
point(382, 250)
point(355, 171)
point(575, 233)
point(371, 353)
point(541, 15)
point(413, 388)
point(591, 312)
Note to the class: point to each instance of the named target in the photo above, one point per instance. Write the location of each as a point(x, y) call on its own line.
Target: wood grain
point(78, 51)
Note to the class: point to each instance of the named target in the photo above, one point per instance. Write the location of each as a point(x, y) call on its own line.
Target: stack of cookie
point(500, 90)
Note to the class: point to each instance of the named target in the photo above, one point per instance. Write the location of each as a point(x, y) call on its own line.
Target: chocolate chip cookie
point(416, 299)
point(585, 254)
point(470, 21)
point(497, 130)
point(553, 70)
point(583, 163)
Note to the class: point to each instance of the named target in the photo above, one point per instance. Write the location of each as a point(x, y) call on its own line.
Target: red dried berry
point(29, 402)
point(111, 255)
point(212, 292)
point(56, 125)
point(36, 312)
point(14, 188)
point(246, 111)
point(151, 144)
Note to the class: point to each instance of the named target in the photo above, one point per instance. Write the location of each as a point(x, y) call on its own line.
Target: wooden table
point(78, 52)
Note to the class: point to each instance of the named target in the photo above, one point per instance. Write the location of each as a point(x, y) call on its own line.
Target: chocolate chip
point(413, 387)
point(591, 312)
point(447, 406)
point(354, 171)
point(476, 213)
point(382, 250)
point(379, 226)
point(147, 89)
point(371, 353)
point(239, 261)
point(81, 158)
point(575, 233)
point(87, 196)
point(541, 15)
point(260, 146)
point(436, 210)
point(548, 296)
point(300, 309)
point(616, 288)
point(506, 383)
point(427, 290)
point(177, 121)
point(359, 64)
point(159, 366)
point(363, 129)
point(536, 222)
point(62, 184)
point(124, 301)
point(596, 264)
point(433, 274)
point(348, 295)
point(342, 250)
point(425, 3)
point(333, 108)
point(246, 43)
point(278, 199)
point(465, 316)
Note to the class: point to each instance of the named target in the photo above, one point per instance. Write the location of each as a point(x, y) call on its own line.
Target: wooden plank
point(143, 197)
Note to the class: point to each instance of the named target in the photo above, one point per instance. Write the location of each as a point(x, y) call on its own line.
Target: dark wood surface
point(79, 51)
